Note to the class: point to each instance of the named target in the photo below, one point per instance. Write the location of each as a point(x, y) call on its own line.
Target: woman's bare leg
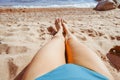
point(80, 54)
point(48, 57)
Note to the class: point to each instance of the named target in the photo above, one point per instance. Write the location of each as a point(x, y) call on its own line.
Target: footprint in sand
point(3, 48)
point(118, 38)
point(16, 49)
point(81, 37)
point(6, 33)
point(112, 37)
point(6, 49)
point(43, 32)
point(12, 30)
point(12, 68)
point(115, 38)
point(92, 32)
point(25, 29)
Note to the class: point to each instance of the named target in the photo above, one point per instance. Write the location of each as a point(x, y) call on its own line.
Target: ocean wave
point(51, 4)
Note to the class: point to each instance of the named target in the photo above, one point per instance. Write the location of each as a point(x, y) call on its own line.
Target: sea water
point(48, 3)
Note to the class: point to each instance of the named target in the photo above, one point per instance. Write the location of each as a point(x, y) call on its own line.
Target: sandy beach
point(24, 31)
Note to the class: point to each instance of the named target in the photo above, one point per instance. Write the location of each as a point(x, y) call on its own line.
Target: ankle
point(59, 36)
point(70, 37)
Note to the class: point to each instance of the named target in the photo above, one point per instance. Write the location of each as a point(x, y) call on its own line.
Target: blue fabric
point(72, 72)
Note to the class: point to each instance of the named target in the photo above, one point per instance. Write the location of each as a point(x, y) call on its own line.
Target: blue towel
point(72, 72)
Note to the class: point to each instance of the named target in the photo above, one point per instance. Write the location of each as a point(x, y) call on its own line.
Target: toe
point(56, 21)
point(65, 28)
point(57, 24)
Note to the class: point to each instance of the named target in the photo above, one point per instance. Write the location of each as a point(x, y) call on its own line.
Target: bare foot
point(67, 33)
point(58, 25)
point(59, 28)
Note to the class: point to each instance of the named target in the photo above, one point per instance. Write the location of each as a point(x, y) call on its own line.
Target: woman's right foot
point(67, 33)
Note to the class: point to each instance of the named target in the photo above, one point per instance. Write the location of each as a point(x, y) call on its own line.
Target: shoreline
point(39, 9)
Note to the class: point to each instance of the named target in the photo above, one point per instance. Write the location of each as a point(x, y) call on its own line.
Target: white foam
point(52, 4)
point(85, 5)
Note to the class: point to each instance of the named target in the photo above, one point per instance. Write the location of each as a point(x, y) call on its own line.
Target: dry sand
point(24, 31)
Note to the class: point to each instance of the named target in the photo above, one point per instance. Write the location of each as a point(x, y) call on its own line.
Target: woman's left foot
point(58, 25)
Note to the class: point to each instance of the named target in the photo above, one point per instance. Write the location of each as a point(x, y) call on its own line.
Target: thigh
point(84, 56)
point(48, 58)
